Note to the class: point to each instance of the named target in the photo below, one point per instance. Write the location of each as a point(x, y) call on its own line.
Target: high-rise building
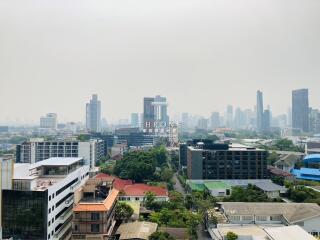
point(155, 116)
point(215, 120)
point(221, 161)
point(259, 111)
point(6, 176)
point(315, 121)
point(40, 204)
point(49, 121)
point(266, 121)
point(229, 116)
point(202, 124)
point(185, 120)
point(135, 120)
point(37, 149)
point(93, 114)
point(300, 109)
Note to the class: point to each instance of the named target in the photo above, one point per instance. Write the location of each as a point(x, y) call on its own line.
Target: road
point(177, 186)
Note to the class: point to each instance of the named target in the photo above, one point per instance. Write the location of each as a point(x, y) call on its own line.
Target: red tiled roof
point(103, 206)
point(141, 189)
point(104, 176)
point(120, 184)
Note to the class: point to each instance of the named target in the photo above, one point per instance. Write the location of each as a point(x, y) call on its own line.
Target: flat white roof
point(21, 171)
point(55, 161)
point(289, 232)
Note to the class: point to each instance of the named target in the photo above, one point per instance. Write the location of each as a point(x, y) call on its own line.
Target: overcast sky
point(201, 54)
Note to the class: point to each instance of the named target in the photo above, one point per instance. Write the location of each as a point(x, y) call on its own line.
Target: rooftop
point(140, 189)
point(56, 161)
point(293, 232)
point(307, 173)
point(293, 212)
point(136, 230)
point(312, 158)
point(216, 185)
point(270, 187)
point(100, 206)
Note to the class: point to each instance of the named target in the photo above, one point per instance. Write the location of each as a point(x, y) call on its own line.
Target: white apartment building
point(38, 149)
point(40, 204)
point(49, 121)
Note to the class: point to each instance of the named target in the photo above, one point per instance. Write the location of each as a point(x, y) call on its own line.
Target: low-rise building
point(40, 204)
point(306, 215)
point(138, 191)
point(272, 190)
point(93, 216)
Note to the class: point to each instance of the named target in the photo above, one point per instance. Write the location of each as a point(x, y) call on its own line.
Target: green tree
point(272, 158)
point(232, 236)
point(160, 236)
point(149, 199)
point(166, 174)
point(123, 211)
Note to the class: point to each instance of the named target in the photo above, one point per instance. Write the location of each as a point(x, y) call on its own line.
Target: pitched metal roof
point(293, 212)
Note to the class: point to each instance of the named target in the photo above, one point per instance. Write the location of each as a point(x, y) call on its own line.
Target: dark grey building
point(221, 161)
point(300, 109)
point(183, 150)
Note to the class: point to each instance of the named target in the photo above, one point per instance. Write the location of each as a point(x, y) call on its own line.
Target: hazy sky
point(201, 54)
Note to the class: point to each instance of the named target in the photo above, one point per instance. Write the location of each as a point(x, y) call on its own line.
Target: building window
point(261, 218)
point(247, 218)
point(234, 218)
point(49, 236)
point(275, 218)
point(95, 228)
point(77, 215)
point(137, 199)
point(315, 234)
point(95, 216)
point(76, 228)
point(49, 198)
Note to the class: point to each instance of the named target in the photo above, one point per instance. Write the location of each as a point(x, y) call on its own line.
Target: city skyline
point(51, 64)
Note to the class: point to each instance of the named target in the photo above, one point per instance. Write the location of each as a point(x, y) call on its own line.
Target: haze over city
point(201, 55)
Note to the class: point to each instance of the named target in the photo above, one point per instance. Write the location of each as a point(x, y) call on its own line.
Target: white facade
point(60, 188)
point(142, 198)
point(49, 121)
point(38, 150)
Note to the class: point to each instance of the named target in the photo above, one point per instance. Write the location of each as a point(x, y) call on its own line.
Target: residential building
point(300, 109)
point(272, 190)
point(287, 162)
point(93, 114)
point(135, 120)
point(183, 151)
point(130, 191)
point(306, 215)
point(94, 213)
point(38, 149)
point(40, 204)
point(6, 175)
point(49, 121)
point(223, 161)
point(136, 230)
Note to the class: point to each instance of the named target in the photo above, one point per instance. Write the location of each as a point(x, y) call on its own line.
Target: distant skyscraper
point(229, 116)
point(300, 109)
point(315, 121)
point(259, 111)
point(135, 120)
point(266, 121)
point(49, 121)
point(215, 120)
point(185, 120)
point(155, 114)
point(93, 114)
point(203, 124)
